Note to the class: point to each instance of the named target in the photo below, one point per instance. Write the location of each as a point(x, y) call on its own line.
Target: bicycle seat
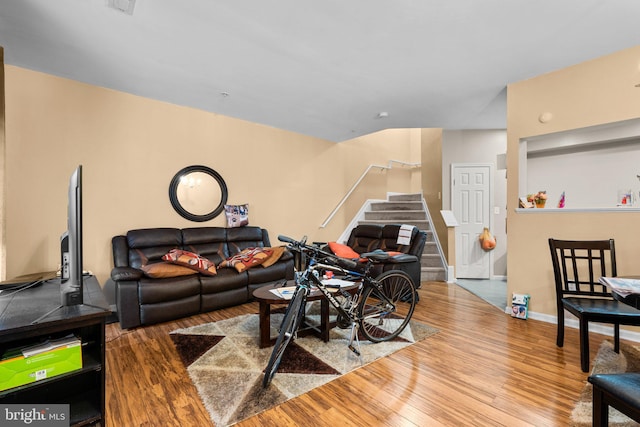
point(402, 258)
point(379, 255)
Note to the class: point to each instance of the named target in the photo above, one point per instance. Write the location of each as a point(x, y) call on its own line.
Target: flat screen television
point(71, 279)
point(71, 244)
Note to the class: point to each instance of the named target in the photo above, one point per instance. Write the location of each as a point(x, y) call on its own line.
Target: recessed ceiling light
point(383, 115)
point(124, 6)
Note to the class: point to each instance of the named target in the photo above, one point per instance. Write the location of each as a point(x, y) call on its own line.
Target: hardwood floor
point(483, 368)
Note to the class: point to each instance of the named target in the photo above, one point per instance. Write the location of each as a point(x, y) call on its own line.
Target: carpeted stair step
point(416, 197)
point(433, 274)
point(430, 260)
point(430, 247)
point(400, 206)
point(422, 225)
point(396, 215)
point(409, 209)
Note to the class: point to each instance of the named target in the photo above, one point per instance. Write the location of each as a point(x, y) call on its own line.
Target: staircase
point(410, 209)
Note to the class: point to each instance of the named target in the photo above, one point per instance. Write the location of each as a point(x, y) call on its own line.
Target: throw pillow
point(275, 256)
point(190, 260)
point(247, 258)
point(343, 251)
point(237, 215)
point(161, 270)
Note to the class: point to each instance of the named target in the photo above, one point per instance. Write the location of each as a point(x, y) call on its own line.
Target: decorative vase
point(540, 204)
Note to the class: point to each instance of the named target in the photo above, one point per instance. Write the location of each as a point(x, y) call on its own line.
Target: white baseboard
point(451, 277)
point(572, 322)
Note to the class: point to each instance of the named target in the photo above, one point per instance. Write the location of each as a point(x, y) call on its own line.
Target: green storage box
point(30, 364)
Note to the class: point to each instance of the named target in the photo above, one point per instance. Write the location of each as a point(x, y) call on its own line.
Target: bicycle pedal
point(355, 350)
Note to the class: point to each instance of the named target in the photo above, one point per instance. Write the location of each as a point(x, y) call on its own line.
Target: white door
point(471, 195)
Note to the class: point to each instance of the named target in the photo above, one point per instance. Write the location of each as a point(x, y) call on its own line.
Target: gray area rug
point(226, 365)
point(492, 291)
point(607, 361)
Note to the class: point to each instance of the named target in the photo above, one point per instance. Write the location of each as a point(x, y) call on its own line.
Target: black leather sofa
point(142, 300)
point(369, 237)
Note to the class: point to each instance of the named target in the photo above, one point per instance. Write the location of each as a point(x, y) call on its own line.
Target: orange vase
point(540, 204)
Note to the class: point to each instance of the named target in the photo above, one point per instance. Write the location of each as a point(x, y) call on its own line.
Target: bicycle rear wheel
point(288, 328)
point(379, 321)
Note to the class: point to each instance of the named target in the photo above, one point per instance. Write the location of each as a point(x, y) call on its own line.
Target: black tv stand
point(78, 308)
point(84, 389)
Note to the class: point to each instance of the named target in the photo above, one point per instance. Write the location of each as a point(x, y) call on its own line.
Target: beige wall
point(130, 148)
point(431, 140)
point(592, 93)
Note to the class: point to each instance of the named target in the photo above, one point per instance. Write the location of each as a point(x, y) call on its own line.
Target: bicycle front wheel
point(379, 320)
point(288, 328)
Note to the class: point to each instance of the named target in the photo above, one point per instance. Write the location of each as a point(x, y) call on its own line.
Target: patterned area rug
point(607, 362)
point(226, 365)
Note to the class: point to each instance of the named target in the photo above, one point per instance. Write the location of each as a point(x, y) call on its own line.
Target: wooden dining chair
point(620, 391)
point(577, 268)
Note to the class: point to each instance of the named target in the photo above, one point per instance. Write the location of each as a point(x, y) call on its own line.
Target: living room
point(130, 148)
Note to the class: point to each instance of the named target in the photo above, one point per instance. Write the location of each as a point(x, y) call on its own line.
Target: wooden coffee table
point(266, 298)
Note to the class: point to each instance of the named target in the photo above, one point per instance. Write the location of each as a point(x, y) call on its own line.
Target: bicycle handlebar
point(286, 239)
point(342, 262)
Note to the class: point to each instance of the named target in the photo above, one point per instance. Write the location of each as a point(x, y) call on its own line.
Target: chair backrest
point(578, 266)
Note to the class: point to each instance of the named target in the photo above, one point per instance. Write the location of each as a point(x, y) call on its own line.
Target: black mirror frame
point(173, 193)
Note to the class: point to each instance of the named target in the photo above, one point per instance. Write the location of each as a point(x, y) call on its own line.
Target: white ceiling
point(321, 68)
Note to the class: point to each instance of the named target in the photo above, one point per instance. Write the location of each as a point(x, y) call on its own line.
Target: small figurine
point(561, 202)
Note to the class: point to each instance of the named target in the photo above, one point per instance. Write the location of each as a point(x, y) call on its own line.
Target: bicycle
point(380, 308)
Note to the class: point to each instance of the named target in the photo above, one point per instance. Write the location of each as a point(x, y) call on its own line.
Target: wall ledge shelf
point(615, 209)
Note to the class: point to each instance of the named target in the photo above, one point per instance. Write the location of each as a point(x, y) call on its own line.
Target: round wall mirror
point(198, 193)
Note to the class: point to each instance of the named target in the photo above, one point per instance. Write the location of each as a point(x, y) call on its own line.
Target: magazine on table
point(284, 293)
point(621, 285)
point(333, 285)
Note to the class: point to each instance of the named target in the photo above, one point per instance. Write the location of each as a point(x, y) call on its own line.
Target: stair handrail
point(354, 186)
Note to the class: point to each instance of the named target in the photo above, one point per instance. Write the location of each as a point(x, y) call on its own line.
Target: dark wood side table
point(266, 298)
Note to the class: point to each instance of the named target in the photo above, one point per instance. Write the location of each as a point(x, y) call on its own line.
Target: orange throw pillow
point(161, 270)
point(343, 251)
point(247, 258)
point(190, 260)
point(275, 256)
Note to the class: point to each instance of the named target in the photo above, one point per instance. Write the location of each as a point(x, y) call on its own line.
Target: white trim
point(572, 322)
point(451, 275)
point(609, 132)
point(443, 259)
point(617, 209)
